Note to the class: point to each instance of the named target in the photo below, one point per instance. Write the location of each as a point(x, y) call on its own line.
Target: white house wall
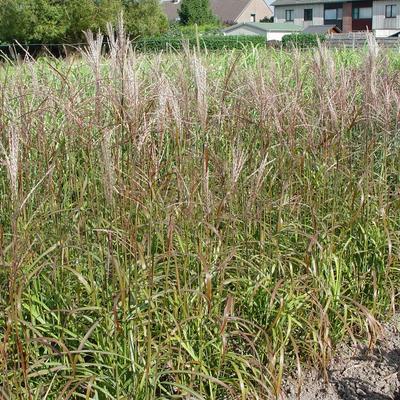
point(277, 35)
point(318, 14)
point(257, 7)
point(379, 22)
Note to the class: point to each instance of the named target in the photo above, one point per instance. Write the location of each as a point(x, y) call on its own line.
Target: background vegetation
point(196, 12)
point(302, 40)
point(206, 42)
point(51, 21)
point(189, 224)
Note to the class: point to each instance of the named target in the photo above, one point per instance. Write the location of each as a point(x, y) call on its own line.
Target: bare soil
point(357, 373)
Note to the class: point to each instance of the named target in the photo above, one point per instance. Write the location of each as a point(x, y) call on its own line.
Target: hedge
point(302, 40)
point(215, 42)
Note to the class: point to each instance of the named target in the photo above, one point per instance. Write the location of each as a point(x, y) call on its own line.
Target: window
point(362, 13)
point(308, 14)
point(289, 15)
point(333, 14)
point(252, 17)
point(391, 11)
point(330, 13)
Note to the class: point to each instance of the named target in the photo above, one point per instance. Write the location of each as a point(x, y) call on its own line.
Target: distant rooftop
point(268, 27)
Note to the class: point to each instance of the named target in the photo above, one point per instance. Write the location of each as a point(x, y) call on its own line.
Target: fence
point(14, 51)
point(360, 39)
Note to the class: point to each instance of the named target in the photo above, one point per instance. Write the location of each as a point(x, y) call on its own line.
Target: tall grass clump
point(191, 225)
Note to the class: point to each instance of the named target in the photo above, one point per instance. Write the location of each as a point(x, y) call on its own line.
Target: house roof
point(321, 29)
point(267, 27)
point(226, 10)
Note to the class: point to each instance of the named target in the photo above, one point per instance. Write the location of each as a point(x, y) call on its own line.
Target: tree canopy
point(55, 21)
point(144, 18)
point(196, 12)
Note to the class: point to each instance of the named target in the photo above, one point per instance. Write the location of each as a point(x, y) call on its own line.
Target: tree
point(28, 21)
point(51, 23)
point(144, 18)
point(196, 12)
point(107, 11)
point(60, 21)
point(16, 20)
point(80, 16)
point(54, 21)
point(84, 15)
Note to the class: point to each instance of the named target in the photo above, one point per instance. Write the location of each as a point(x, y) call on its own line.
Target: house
point(380, 16)
point(228, 11)
point(271, 31)
point(386, 17)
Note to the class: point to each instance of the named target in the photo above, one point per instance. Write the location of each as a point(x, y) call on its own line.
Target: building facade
point(379, 16)
point(386, 17)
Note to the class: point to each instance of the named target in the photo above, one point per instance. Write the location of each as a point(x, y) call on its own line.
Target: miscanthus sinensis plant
point(193, 225)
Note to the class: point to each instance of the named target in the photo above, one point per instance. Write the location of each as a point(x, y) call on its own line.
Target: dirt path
point(358, 374)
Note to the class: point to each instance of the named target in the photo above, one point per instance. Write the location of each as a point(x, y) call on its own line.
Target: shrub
point(196, 12)
point(215, 42)
point(144, 18)
point(302, 40)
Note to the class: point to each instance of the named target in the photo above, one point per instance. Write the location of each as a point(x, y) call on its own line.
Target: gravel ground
point(356, 373)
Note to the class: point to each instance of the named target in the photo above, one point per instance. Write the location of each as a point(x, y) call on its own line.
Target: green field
point(194, 226)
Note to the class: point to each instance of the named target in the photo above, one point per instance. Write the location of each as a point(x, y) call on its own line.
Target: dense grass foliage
point(193, 225)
